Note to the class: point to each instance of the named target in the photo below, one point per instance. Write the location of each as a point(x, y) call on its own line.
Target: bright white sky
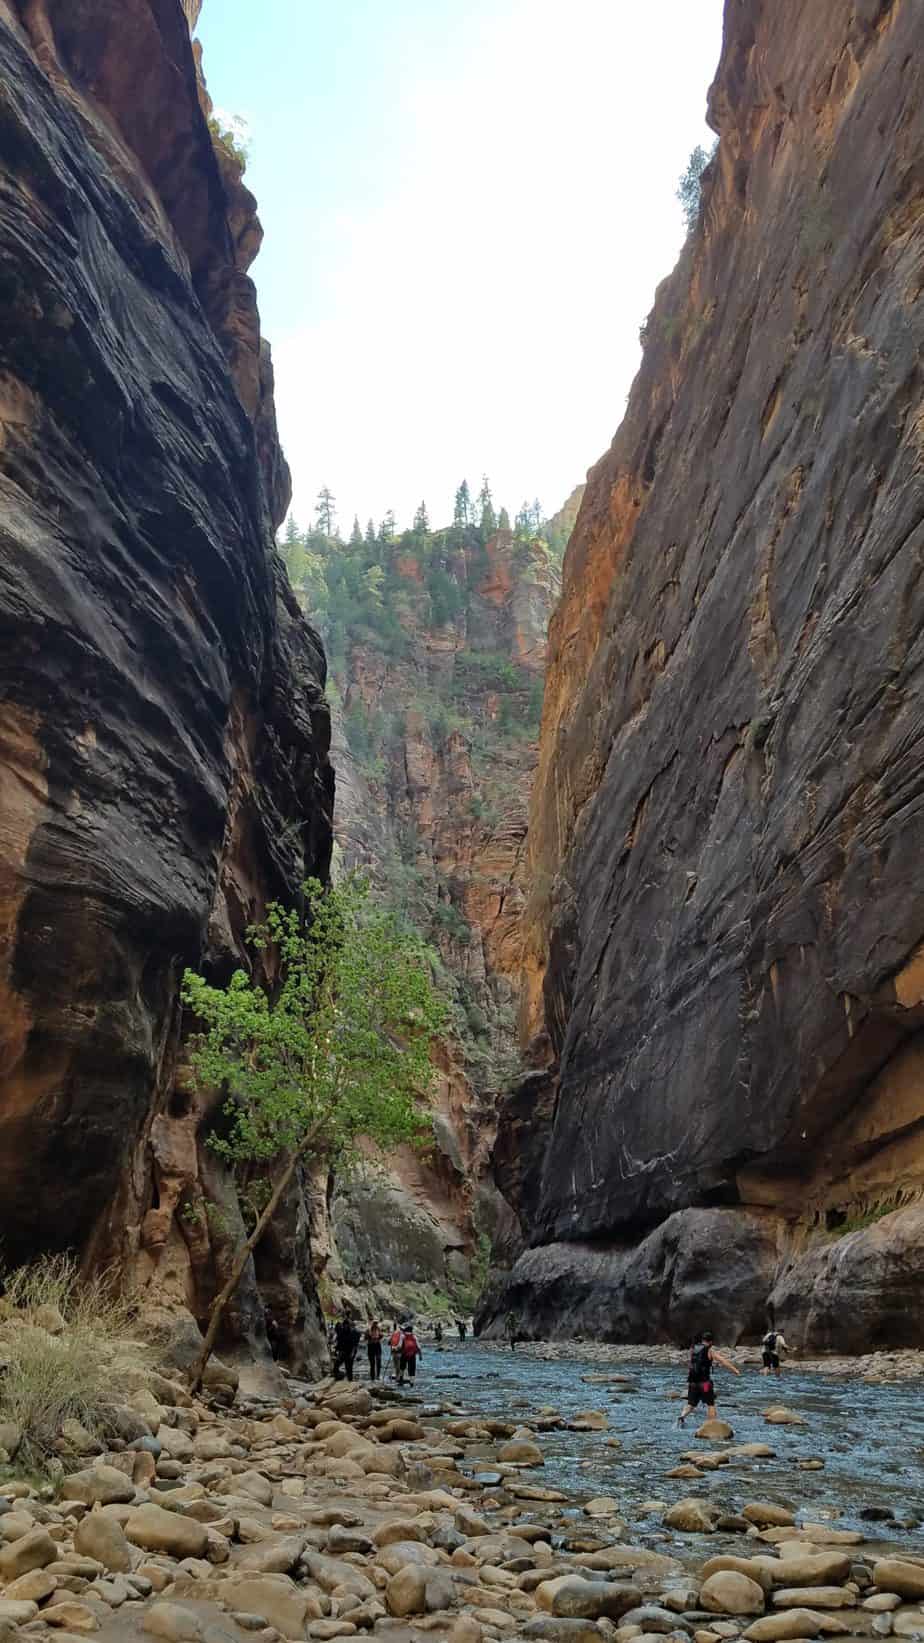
point(468, 205)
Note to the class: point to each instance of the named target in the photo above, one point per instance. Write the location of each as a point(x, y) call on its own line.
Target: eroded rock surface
point(163, 733)
point(725, 933)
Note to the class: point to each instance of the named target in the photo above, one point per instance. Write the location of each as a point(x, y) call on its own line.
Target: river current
point(869, 1435)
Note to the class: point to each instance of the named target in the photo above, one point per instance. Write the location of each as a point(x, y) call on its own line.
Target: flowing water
point(870, 1437)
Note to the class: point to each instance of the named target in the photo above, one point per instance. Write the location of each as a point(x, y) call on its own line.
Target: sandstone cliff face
point(163, 733)
point(725, 930)
point(435, 744)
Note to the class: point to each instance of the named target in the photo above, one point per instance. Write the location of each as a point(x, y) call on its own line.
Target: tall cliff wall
point(436, 686)
point(163, 733)
point(726, 928)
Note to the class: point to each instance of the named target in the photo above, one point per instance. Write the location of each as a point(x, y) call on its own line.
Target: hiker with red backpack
point(410, 1351)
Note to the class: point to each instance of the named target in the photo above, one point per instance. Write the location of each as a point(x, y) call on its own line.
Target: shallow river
point(870, 1437)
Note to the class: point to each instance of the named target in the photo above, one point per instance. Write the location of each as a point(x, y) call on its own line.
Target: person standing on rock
point(460, 1325)
point(374, 1350)
point(700, 1384)
point(438, 1333)
point(510, 1330)
point(410, 1352)
point(771, 1347)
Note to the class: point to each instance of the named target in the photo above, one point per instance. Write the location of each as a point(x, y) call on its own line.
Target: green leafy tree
point(370, 534)
point(387, 527)
point(325, 511)
point(422, 519)
point(462, 511)
point(524, 520)
point(356, 535)
point(503, 520)
point(487, 518)
point(373, 582)
point(689, 187)
point(336, 1049)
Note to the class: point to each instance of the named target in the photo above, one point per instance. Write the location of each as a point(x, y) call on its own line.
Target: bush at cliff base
point(65, 1350)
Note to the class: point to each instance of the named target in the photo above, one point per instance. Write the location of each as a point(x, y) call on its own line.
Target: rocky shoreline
point(338, 1510)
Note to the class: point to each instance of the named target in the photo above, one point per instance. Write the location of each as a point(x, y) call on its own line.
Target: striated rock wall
point(725, 930)
point(163, 732)
point(433, 799)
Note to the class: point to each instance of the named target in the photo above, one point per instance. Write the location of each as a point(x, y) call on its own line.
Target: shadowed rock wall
point(725, 933)
point(163, 732)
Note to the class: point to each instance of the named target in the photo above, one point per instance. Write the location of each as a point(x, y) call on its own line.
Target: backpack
point(700, 1367)
point(396, 1340)
point(769, 1340)
point(409, 1345)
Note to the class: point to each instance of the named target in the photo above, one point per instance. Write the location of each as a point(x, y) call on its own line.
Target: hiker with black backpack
point(346, 1340)
point(771, 1347)
point(700, 1384)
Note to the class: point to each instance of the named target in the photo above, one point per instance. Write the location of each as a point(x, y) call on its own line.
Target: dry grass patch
point(60, 1338)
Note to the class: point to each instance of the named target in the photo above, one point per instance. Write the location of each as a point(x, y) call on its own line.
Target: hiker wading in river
point(700, 1384)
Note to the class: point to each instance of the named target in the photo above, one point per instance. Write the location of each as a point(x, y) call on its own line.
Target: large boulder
point(276, 1598)
point(693, 1516)
point(575, 1598)
point(102, 1538)
point(894, 1574)
point(157, 1530)
point(33, 1550)
point(728, 1591)
point(98, 1485)
point(714, 1263)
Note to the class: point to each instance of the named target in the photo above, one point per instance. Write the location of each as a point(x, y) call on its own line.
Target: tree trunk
point(240, 1261)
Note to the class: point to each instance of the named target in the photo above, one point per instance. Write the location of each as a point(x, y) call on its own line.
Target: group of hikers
point(704, 1353)
point(404, 1348)
point(405, 1354)
point(345, 1337)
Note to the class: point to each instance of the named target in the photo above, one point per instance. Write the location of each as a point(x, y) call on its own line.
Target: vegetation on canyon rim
point(377, 597)
point(327, 1042)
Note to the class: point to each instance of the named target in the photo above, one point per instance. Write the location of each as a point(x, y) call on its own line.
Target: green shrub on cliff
point(690, 185)
point(334, 1048)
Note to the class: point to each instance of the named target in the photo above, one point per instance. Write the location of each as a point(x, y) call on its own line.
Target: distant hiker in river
point(395, 1340)
point(771, 1347)
point(700, 1384)
point(346, 1340)
point(410, 1351)
point(374, 1350)
point(510, 1330)
point(461, 1327)
point(438, 1333)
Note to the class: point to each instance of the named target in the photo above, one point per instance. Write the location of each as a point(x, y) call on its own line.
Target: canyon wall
point(725, 935)
point(436, 690)
point(163, 730)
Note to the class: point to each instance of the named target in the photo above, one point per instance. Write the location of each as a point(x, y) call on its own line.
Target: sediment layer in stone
point(724, 935)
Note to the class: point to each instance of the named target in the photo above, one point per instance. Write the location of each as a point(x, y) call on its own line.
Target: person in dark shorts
point(374, 1350)
point(700, 1383)
point(346, 1340)
point(771, 1347)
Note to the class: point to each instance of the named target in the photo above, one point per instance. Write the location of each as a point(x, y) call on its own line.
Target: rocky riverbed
point(502, 1497)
